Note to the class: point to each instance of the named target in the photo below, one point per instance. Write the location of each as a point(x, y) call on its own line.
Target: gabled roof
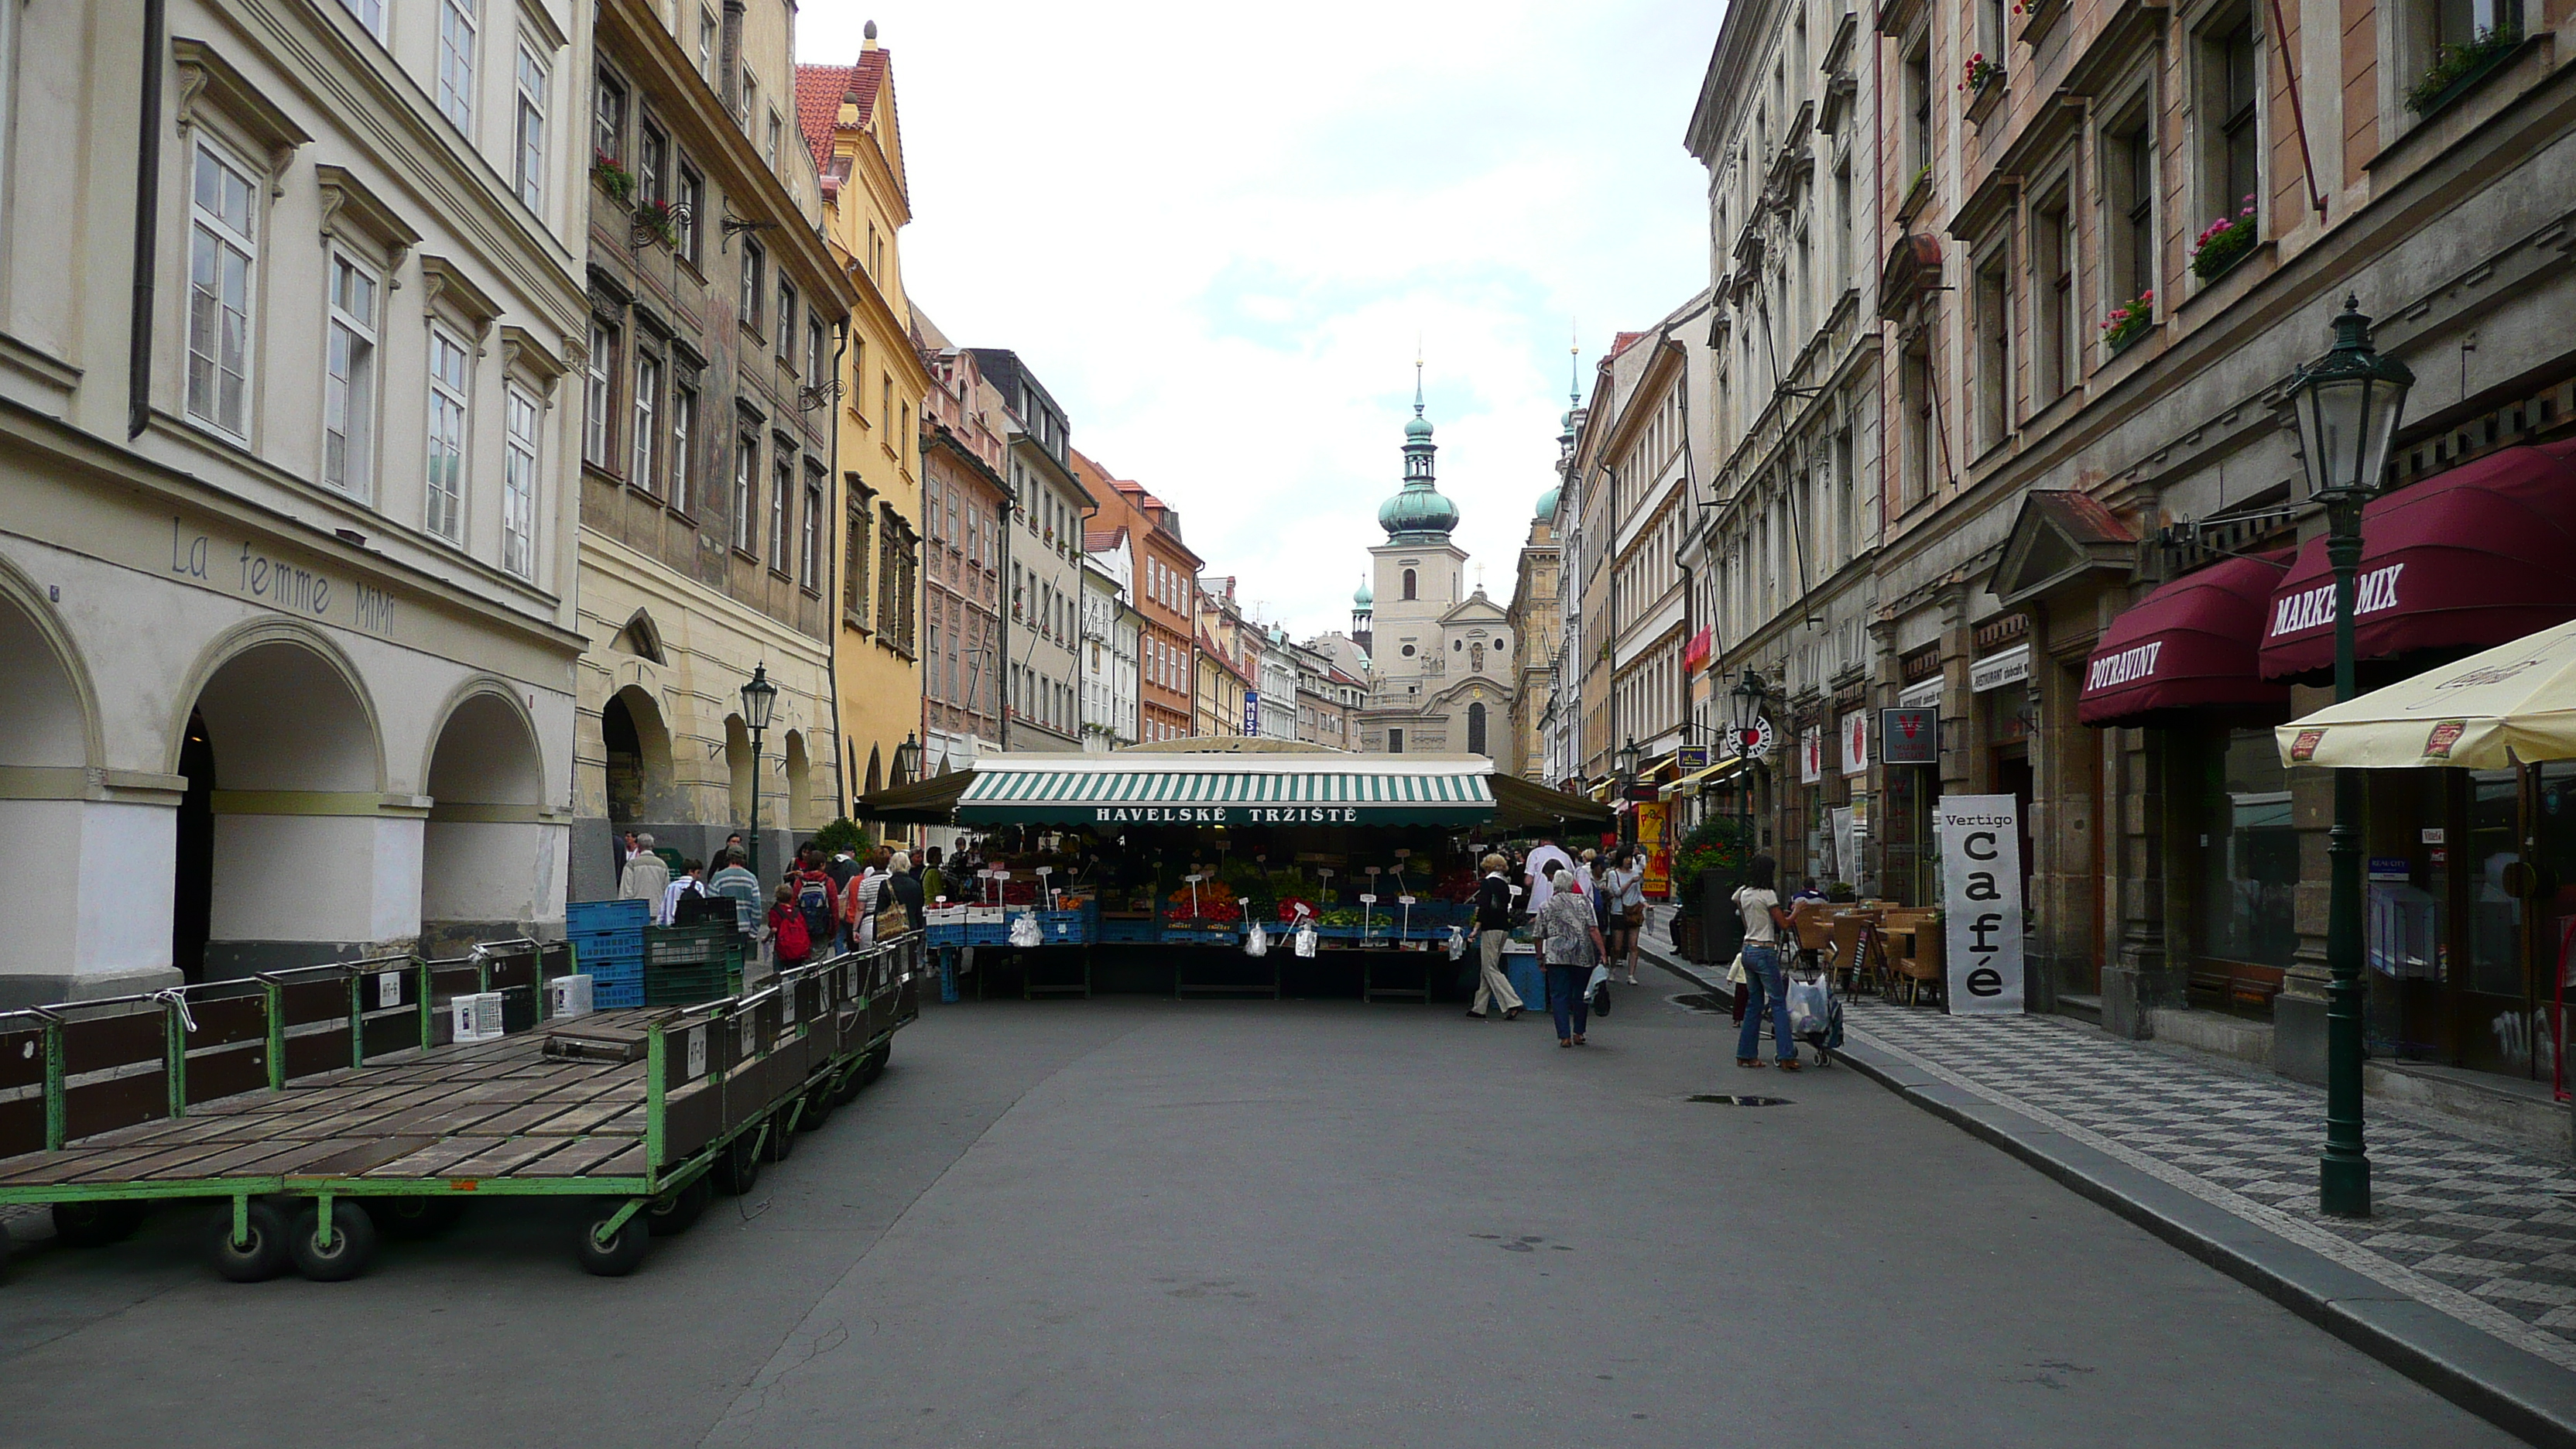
point(1104, 539)
point(822, 89)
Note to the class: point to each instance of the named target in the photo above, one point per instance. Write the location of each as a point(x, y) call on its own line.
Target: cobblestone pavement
point(2480, 1231)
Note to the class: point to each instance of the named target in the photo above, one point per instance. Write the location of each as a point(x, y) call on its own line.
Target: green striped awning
point(1145, 795)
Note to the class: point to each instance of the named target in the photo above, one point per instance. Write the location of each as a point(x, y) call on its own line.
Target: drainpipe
point(147, 218)
point(832, 590)
point(1002, 620)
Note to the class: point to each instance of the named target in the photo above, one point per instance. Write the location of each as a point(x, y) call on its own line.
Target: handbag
point(1735, 971)
point(1597, 990)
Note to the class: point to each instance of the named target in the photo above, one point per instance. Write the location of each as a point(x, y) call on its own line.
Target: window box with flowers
point(659, 221)
point(2128, 322)
point(1979, 76)
point(2457, 67)
point(616, 180)
point(2031, 19)
point(2223, 243)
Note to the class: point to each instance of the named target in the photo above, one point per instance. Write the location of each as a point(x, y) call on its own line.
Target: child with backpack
point(815, 897)
point(790, 943)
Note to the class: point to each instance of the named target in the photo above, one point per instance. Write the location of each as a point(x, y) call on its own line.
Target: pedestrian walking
point(1570, 942)
point(734, 881)
point(1545, 854)
point(859, 903)
point(899, 900)
point(814, 896)
point(1494, 927)
point(934, 881)
point(788, 940)
point(646, 879)
point(689, 882)
point(1623, 888)
point(1758, 899)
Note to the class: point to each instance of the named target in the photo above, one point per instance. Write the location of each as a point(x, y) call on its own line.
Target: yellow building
point(847, 113)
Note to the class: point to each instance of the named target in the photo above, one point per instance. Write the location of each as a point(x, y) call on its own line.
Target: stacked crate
point(608, 943)
point(946, 925)
point(686, 965)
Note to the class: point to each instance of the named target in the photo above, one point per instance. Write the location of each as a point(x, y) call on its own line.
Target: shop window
point(2249, 853)
point(2495, 918)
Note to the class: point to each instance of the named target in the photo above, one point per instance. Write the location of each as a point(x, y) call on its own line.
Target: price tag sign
point(697, 1052)
point(1368, 898)
point(1404, 900)
point(743, 1052)
point(388, 989)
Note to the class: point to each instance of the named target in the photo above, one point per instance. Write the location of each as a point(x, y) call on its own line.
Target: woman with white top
point(1759, 901)
point(1624, 892)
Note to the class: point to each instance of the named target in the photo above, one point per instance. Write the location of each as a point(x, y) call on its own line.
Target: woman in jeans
point(1570, 942)
point(1759, 901)
point(1623, 892)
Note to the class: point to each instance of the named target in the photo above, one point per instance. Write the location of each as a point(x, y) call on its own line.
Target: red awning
point(2189, 645)
point(2470, 558)
point(1696, 653)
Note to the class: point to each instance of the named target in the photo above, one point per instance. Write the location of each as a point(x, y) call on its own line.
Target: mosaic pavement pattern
point(2484, 1232)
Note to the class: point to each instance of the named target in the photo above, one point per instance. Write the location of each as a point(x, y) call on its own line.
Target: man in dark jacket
point(1494, 912)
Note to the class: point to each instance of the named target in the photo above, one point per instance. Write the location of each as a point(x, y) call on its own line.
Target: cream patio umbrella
point(2513, 704)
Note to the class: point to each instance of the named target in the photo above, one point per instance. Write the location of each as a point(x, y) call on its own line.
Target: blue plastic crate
point(580, 916)
point(1128, 930)
point(988, 933)
point(946, 935)
point(607, 994)
point(1065, 928)
point(608, 943)
point(616, 971)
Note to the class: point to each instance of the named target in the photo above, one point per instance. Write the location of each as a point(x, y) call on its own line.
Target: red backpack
point(793, 943)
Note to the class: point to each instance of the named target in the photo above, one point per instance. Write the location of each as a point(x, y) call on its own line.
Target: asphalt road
point(1136, 1222)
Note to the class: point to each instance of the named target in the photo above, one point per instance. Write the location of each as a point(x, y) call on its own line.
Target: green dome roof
point(1547, 504)
point(1420, 427)
point(1417, 511)
point(1364, 598)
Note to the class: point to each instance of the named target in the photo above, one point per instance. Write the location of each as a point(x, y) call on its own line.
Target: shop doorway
point(639, 777)
point(487, 860)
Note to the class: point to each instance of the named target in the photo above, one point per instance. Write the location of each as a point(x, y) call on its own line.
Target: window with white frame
point(2052, 269)
point(707, 45)
point(448, 383)
point(693, 205)
point(528, 130)
point(370, 13)
point(684, 431)
point(809, 552)
point(749, 302)
point(1993, 363)
point(786, 320)
point(349, 380)
point(608, 117)
point(600, 385)
point(782, 491)
point(644, 437)
point(777, 129)
point(221, 249)
point(519, 482)
point(746, 478)
point(456, 40)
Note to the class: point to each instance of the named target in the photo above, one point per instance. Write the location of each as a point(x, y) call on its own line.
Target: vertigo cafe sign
point(1981, 902)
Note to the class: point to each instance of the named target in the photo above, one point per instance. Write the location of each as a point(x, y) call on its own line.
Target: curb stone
point(2516, 1391)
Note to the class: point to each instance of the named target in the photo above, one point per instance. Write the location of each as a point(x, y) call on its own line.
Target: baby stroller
point(1815, 1012)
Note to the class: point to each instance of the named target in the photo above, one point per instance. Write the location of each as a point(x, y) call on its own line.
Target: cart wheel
point(851, 1083)
point(738, 1169)
point(415, 1217)
point(353, 1242)
point(671, 1214)
point(781, 1142)
point(622, 1253)
point(818, 1106)
point(96, 1224)
point(874, 1067)
point(1824, 1057)
point(262, 1256)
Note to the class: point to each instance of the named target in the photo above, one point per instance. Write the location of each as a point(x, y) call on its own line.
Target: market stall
point(1193, 867)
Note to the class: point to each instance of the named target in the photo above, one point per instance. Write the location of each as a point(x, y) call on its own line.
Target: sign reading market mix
point(1981, 902)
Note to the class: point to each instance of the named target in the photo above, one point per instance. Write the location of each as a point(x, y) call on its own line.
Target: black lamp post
point(907, 759)
point(759, 697)
point(2348, 403)
point(1627, 767)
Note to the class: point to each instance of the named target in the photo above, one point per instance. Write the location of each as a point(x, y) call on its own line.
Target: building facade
point(965, 505)
point(1111, 627)
point(847, 116)
point(1166, 599)
point(287, 552)
point(1442, 657)
point(1534, 617)
point(707, 490)
point(1045, 559)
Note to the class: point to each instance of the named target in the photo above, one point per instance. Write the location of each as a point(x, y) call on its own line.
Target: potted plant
point(660, 220)
point(2223, 243)
point(619, 182)
point(1979, 74)
point(2454, 66)
point(2129, 321)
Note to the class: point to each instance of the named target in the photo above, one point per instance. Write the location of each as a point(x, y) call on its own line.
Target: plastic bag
point(1810, 1009)
point(1255, 943)
point(1025, 930)
point(1457, 944)
point(1305, 940)
point(1597, 990)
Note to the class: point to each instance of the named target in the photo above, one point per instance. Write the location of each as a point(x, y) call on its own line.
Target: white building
point(286, 553)
point(1110, 629)
point(1442, 656)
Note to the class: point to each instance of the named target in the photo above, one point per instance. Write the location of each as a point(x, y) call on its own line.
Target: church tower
point(1361, 617)
point(1416, 575)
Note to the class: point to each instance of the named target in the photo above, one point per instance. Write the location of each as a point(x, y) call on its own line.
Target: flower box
point(2223, 243)
point(2457, 67)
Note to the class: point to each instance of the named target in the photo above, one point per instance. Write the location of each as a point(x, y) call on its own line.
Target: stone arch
point(738, 767)
point(1476, 729)
point(876, 770)
point(636, 742)
point(289, 851)
point(487, 850)
point(50, 738)
point(800, 792)
point(642, 638)
point(1410, 584)
point(49, 713)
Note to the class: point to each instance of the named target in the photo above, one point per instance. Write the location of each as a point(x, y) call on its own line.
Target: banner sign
point(1855, 733)
point(1909, 736)
point(1997, 670)
point(1811, 755)
point(1651, 816)
point(1690, 759)
point(1251, 713)
point(1981, 902)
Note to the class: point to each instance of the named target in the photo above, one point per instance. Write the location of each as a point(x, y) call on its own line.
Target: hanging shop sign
point(1997, 670)
point(1756, 741)
point(1909, 736)
point(1690, 758)
point(1855, 732)
point(1981, 902)
point(1811, 755)
point(1926, 695)
point(1251, 713)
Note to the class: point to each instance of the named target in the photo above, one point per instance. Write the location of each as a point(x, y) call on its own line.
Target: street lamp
point(1628, 761)
point(759, 697)
point(907, 759)
point(2348, 403)
point(1748, 695)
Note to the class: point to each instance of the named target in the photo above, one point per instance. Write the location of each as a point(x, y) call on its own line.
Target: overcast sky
point(1215, 232)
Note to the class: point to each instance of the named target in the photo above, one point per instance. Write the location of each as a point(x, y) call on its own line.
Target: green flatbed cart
point(325, 1103)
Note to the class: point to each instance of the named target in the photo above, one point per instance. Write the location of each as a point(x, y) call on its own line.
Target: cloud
point(1216, 233)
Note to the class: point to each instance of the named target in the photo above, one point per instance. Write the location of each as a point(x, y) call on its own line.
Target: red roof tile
point(821, 90)
point(1102, 540)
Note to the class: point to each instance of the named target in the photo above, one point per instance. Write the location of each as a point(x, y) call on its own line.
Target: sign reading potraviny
point(1981, 902)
